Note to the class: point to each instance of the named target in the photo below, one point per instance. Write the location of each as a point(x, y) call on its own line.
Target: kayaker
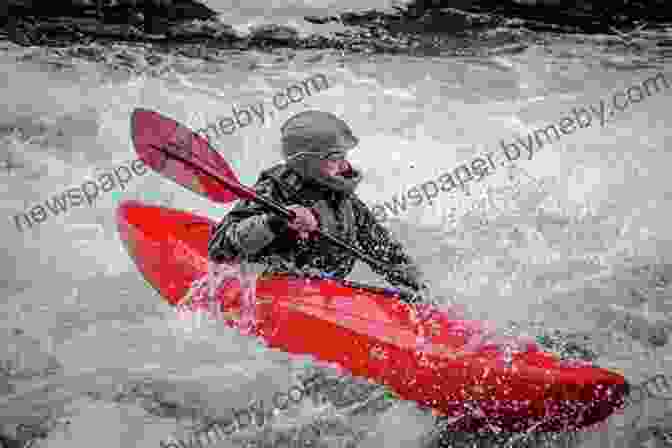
point(316, 181)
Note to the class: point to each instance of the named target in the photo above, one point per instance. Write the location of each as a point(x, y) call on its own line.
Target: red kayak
point(372, 334)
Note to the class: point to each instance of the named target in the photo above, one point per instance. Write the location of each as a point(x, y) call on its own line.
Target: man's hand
point(304, 223)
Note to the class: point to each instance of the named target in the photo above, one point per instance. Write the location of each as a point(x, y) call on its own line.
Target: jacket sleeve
point(376, 240)
point(247, 228)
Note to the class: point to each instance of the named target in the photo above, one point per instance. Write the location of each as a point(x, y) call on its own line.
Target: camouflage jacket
point(251, 233)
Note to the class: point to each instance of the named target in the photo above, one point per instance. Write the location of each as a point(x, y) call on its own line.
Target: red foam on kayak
point(151, 131)
point(371, 334)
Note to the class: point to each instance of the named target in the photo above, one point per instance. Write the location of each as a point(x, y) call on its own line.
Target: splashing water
point(248, 288)
point(201, 297)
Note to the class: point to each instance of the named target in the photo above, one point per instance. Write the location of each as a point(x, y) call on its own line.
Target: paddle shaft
point(276, 208)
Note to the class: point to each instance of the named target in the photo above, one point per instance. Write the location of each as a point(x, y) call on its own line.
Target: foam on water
point(518, 247)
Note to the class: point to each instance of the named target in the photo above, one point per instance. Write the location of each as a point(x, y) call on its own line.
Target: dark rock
point(118, 31)
point(190, 10)
point(22, 33)
point(120, 14)
point(423, 27)
point(538, 2)
point(128, 59)
point(444, 21)
point(4, 12)
point(56, 27)
point(317, 41)
point(47, 9)
point(173, 9)
point(586, 15)
point(319, 20)
point(8, 442)
point(95, 54)
point(154, 16)
point(277, 33)
point(194, 51)
point(198, 30)
point(365, 18)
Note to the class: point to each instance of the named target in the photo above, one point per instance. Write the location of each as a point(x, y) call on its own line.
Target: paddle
point(178, 153)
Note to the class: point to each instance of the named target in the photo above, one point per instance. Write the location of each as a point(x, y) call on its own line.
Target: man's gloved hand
point(305, 222)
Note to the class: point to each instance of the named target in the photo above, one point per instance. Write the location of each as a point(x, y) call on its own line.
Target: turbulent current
point(567, 244)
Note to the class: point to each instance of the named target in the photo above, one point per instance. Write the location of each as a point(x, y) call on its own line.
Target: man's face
point(335, 165)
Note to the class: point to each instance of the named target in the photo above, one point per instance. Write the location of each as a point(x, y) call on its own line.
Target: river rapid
point(574, 237)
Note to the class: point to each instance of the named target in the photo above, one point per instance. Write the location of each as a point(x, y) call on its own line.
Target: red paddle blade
point(175, 151)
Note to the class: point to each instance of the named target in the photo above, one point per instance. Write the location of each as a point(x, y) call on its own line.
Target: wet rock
point(171, 9)
point(22, 32)
point(190, 10)
point(375, 32)
point(57, 26)
point(320, 20)
point(198, 30)
point(317, 41)
point(129, 60)
point(122, 32)
point(121, 20)
point(193, 51)
point(93, 53)
point(446, 21)
point(276, 33)
point(367, 18)
point(122, 14)
point(21, 37)
point(587, 16)
point(538, 2)
point(423, 27)
point(153, 59)
point(8, 442)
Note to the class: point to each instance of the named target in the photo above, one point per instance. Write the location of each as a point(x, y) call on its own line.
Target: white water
point(556, 247)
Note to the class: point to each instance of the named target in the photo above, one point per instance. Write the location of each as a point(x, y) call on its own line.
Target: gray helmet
point(316, 131)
